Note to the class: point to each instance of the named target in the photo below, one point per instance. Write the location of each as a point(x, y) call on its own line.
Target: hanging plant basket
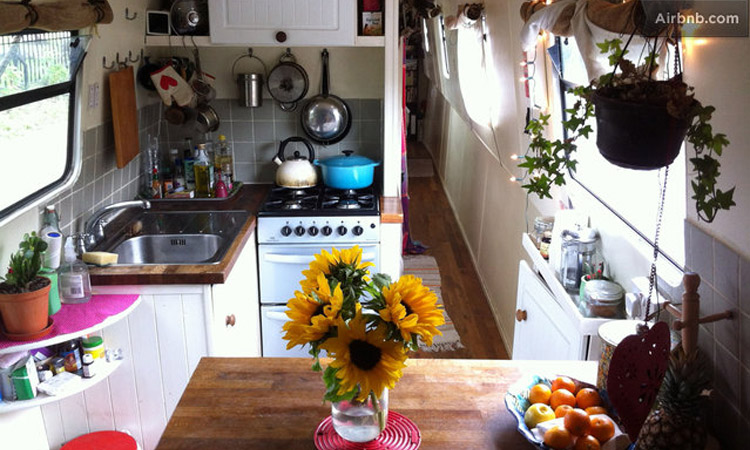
point(636, 135)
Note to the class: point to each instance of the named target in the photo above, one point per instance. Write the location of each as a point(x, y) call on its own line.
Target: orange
point(591, 410)
point(587, 443)
point(588, 397)
point(562, 397)
point(602, 428)
point(561, 410)
point(540, 393)
point(563, 383)
point(558, 438)
point(577, 422)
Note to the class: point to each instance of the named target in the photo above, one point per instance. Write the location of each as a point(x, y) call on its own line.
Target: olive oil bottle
point(203, 171)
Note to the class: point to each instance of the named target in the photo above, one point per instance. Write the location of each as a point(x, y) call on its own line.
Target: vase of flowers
point(366, 324)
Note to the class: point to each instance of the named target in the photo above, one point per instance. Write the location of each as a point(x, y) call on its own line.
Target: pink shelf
point(76, 320)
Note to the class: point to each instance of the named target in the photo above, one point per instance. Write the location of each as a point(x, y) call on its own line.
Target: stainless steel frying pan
point(326, 118)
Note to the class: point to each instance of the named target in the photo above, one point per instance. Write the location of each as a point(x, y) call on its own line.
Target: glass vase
point(362, 421)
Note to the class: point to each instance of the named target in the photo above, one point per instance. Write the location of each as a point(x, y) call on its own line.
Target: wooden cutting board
point(124, 115)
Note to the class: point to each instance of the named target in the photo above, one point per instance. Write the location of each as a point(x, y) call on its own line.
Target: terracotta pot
point(27, 312)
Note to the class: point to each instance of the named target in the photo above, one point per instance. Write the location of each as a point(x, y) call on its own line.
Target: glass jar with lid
point(602, 298)
point(542, 224)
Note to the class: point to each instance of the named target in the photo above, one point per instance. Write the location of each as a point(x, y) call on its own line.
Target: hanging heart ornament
point(636, 371)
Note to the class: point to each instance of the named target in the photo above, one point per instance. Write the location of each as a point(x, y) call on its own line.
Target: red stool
point(102, 440)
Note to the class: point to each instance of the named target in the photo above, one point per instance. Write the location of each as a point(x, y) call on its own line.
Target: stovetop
point(320, 201)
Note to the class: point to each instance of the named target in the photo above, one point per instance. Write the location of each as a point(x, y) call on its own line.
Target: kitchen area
point(308, 117)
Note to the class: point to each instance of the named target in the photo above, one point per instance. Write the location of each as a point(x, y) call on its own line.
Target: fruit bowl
point(517, 403)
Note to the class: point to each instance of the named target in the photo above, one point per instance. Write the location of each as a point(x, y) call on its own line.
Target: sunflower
point(364, 357)
point(412, 308)
point(325, 263)
point(312, 315)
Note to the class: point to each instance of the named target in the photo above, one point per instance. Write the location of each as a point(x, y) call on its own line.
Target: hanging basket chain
point(652, 275)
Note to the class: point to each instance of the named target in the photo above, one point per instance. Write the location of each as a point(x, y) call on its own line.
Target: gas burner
point(320, 200)
point(292, 205)
point(348, 203)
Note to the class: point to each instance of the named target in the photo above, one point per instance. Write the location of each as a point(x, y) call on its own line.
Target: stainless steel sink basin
point(170, 249)
point(154, 237)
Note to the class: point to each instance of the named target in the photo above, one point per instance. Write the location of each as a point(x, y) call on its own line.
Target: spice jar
point(602, 298)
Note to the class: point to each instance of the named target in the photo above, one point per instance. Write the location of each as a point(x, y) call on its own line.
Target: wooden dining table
point(276, 403)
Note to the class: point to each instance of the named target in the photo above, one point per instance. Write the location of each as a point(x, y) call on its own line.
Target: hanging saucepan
point(288, 82)
point(347, 171)
point(326, 118)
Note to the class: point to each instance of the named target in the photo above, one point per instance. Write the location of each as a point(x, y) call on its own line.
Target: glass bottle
point(226, 162)
point(179, 176)
point(74, 283)
point(203, 171)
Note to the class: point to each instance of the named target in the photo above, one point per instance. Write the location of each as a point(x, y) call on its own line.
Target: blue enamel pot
point(347, 171)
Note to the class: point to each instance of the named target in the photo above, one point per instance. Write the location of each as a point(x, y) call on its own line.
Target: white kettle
point(298, 172)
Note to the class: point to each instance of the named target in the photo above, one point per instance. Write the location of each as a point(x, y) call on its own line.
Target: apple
point(538, 413)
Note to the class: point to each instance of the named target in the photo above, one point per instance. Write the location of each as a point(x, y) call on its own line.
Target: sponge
point(100, 258)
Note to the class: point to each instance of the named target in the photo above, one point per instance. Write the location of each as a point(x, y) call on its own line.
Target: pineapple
point(678, 421)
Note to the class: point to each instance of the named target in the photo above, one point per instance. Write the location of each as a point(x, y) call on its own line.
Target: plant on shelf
point(23, 293)
point(641, 124)
point(366, 324)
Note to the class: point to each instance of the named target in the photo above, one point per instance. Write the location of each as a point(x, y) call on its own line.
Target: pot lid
point(348, 159)
point(604, 291)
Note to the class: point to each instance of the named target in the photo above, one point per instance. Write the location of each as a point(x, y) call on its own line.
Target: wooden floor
point(432, 222)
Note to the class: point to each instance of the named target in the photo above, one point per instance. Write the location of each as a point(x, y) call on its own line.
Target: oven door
point(272, 320)
point(281, 266)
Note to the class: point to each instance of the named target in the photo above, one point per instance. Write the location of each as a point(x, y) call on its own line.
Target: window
point(632, 195)
point(425, 36)
point(445, 62)
point(472, 76)
point(37, 116)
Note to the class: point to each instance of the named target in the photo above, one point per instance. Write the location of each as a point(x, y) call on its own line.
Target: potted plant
point(24, 295)
point(641, 124)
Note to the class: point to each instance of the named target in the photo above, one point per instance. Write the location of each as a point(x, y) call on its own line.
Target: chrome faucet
point(93, 229)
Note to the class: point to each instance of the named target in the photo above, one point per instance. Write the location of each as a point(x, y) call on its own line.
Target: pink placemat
point(74, 318)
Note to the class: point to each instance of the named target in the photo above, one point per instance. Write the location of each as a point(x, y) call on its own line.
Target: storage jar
point(602, 298)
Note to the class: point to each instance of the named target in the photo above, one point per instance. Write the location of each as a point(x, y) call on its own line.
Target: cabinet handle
point(230, 320)
point(520, 315)
point(280, 36)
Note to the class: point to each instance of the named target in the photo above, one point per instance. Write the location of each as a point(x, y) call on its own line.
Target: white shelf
point(369, 41)
point(104, 370)
point(587, 325)
point(205, 41)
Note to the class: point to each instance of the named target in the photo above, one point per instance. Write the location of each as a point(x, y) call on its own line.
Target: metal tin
point(611, 334)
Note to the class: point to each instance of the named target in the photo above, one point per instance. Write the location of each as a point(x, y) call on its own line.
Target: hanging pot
point(288, 82)
point(297, 172)
point(326, 118)
point(348, 171)
point(207, 119)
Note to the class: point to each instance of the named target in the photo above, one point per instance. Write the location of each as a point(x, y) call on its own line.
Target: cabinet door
point(303, 22)
point(543, 331)
point(236, 315)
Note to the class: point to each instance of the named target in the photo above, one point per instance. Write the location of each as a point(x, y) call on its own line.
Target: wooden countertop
point(390, 210)
point(275, 403)
point(248, 198)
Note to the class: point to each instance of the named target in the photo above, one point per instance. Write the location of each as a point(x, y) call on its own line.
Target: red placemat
point(74, 318)
point(400, 434)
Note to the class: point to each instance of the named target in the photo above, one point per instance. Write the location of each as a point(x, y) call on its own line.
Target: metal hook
point(123, 63)
point(105, 66)
point(137, 58)
point(127, 15)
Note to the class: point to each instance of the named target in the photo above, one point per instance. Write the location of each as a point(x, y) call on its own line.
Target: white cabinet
point(543, 330)
point(292, 23)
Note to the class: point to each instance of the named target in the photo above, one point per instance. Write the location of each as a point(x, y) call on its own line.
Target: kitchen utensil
point(299, 171)
point(250, 84)
point(124, 115)
point(578, 253)
point(189, 17)
point(326, 118)
point(144, 74)
point(200, 85)
point(170, 85)
point(288, 82)
point(347, 171)
point(207, 119)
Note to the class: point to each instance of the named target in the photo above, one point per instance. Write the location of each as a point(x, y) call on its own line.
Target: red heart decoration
point(636, 371)
point(167, 81)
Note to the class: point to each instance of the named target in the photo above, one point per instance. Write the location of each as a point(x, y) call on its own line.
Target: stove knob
point(299, 231)
point(326, 230)
point(286, 231)
point(342, 230)
point(357, 230)
point(313, 231)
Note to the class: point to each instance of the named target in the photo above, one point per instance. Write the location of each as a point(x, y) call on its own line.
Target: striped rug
point(426, 268)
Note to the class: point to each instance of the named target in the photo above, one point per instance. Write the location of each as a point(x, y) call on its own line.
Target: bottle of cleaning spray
point(73, 277)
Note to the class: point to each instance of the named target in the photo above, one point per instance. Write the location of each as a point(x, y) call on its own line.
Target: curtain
point(56, 15)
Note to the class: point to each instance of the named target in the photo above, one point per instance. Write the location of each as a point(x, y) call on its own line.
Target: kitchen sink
point(158, 237)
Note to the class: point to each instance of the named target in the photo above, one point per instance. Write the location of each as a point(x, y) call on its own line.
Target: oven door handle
point(276, 315)
point(304, 259)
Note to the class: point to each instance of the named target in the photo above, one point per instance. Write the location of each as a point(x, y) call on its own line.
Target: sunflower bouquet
point(366, 323)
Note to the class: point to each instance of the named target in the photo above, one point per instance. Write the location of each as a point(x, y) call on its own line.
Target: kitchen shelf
point(587, 325)
point(104, 370)
point(101, 311)
point(205, 41)
point(369, 41)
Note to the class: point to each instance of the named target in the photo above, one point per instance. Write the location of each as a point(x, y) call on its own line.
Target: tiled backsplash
point(257, 132)
point(101, 182)
point(725, 285)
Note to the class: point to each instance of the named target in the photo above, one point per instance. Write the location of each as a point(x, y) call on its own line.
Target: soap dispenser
point(74, 282)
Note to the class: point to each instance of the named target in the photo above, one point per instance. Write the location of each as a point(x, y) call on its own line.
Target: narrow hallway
point(433, 223)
